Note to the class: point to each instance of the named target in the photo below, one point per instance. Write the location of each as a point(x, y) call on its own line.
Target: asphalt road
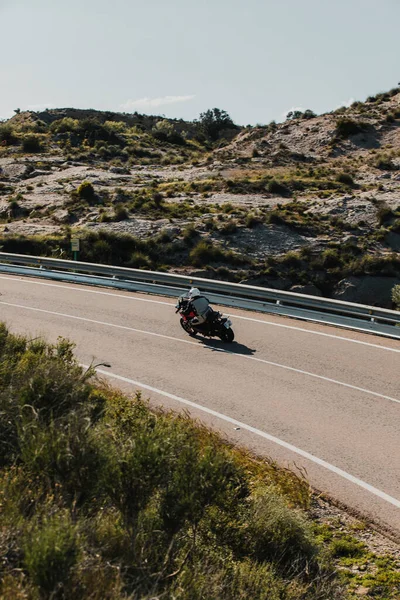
point(310, 396)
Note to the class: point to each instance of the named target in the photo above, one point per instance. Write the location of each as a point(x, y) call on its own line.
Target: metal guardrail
point(335, 312)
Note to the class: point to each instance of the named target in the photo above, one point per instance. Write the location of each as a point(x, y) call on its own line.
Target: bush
point(165, 131)
point(348, 548)
point(65, 125)
point(252, 221)
point(346, 179)
point(139, 260)
point(385, 215)
point(7, 136)
point(277, 533)
point(190, 233)
point(32, 143)
point(51, 549)
point(275, 187)
point(396, 296)
point(205, 252)
point(229, 228)
point(346, 127)
point(384, 163)
point(120, 213)
point(86, 191)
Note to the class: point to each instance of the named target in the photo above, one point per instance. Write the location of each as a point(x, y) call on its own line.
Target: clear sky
point(256, 59)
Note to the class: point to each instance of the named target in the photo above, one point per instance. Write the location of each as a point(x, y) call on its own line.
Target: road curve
point(317, 397)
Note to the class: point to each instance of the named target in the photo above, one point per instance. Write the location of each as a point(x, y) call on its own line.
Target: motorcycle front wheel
point(226, 335)
point(185, 325)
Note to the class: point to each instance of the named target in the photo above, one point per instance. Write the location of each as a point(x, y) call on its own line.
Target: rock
point(309, 290)
point(37, 173)
point(384, 176)
point(361, 591)
point(119, 170)
point(61, 216)
point(16, 170)
point(373, 291)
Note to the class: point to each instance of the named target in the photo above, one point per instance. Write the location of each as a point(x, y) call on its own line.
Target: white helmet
point(193, 293)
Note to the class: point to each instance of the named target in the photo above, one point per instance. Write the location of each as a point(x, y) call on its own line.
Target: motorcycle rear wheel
point(185, 325)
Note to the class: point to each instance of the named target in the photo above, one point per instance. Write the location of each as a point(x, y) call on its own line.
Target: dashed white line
point(197, 345)
point(319, 461)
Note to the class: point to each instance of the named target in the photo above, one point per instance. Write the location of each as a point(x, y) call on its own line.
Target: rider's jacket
point(201, 306)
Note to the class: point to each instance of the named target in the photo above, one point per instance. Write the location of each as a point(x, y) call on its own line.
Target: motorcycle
point(216, 324)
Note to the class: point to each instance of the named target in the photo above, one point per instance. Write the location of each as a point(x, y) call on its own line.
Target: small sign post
point(75, 247)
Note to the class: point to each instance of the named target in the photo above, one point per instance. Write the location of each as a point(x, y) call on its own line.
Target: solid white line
point(222, 350)
point(271, 438)
point(254, 320)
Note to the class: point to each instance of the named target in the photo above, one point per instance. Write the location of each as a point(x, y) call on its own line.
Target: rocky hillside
point(311, 204)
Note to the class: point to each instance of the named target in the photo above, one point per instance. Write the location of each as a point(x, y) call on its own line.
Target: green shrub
point(346, 127)
point(229, 228)
point(86, 191)
point(291, 259)
point(205, 252)
point(165, 131)
point(120, 213)
point(190, 233)
point(346, 179)
point(275, 187)
point(385, 215)
point(65, 125)
point(276, 218)
point(277, 533)
point(51, 549)
point(252, 221)
point(396, 296)
point(346, 548)
point(384, 163)
point(139, 260)
point(7, 135)
point(330, 258)
point(32, 143)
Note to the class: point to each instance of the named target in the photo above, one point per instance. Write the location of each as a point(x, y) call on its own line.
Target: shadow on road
point(234, 347)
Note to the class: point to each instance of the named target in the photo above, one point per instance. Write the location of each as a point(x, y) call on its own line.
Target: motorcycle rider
point(200, 306)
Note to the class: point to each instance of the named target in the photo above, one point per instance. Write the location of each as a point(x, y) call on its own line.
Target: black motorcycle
point(216, 324)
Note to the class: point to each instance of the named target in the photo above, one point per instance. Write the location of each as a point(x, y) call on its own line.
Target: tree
point(298, 114)
point(308, 114)
point(214, 121)
point(294, 114)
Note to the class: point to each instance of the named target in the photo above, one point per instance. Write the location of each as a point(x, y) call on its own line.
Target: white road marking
point(330, 335)
point(263, 322)
point(269, 437)
point(197, 345)
point(85, 291)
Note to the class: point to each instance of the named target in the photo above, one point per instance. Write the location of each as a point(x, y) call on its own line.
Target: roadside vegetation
point(102, 497)
point(209, 248)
